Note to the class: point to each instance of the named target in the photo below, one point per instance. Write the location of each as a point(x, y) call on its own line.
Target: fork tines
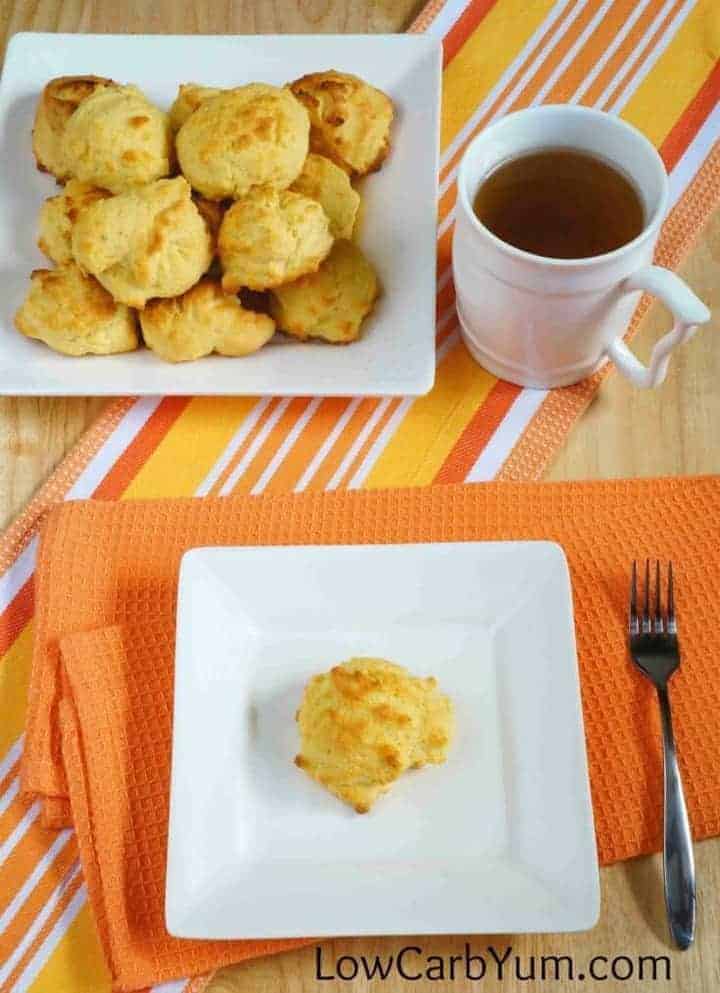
point(655, 622)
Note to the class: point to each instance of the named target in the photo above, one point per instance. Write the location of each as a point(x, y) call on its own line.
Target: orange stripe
point(369, 441)
point(50, 923)
point(311, 440)
point(12, 772)
point(271, 444)
point(140, 448)
point(16, 615)
point(464, 27)
point(240, 453)
point(481, 428)
point(692, 119)
point(332, 461)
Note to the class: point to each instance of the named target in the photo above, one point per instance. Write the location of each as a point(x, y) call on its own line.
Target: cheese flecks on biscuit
point(255, 135)
point(330, 303)
point(73, 314)
point(268, 238)
point(150, 242)
point(117, 140)
point(366, 722)
point(202, 321)
point(58, 215)
point(349, 119)
point(60, 99)
point(327, 183)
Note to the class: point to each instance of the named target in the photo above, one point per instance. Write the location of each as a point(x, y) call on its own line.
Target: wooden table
point(625, 433)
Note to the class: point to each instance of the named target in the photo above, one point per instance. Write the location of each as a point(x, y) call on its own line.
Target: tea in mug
point(560, 203)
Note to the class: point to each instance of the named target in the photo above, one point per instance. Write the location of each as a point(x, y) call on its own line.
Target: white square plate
point(398, 229)
point(499, 839)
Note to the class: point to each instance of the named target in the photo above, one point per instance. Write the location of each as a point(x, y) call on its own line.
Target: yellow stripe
point(483, 58)
point(77, 964)
point(14, 679)
point(677, 75)
point(191, 447)
point(433, 424)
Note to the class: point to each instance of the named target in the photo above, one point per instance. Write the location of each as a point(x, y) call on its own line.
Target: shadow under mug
point(544, 322)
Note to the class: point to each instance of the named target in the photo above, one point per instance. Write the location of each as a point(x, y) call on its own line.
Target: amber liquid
point(561, 204)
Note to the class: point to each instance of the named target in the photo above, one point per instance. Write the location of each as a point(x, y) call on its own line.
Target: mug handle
point(685, 307)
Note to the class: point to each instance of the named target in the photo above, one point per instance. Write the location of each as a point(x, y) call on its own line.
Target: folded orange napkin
point(100, 706)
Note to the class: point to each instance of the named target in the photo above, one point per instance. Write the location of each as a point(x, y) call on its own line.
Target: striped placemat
point(656, 64)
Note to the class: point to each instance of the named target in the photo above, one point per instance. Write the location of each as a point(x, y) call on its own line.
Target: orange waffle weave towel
point(100, 703)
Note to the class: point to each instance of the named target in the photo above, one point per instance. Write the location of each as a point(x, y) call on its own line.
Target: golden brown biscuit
point(59, 100)
point(189, 98)
point(330, 303)
point(117, 140)
point(149, 242)
point(255, 135)
point(349, 119)
point(366, 722)
point(270, 237)
point(202, 321)
point(327, 183)
point(58, 215)
point(212, 212)
point(74, 315)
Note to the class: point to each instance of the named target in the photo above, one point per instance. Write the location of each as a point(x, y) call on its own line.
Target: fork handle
point(678, 862)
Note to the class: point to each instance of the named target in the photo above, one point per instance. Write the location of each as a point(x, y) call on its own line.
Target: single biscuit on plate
point(149, 242)
point(365, 722)
point(331, 303)
point(202, 321)
point(117, 140)
point(73, 314)
point(270, 237)
point(190, 96)
point(330, 185)
point(349, 119)
point(58, 215)
point(59, 101)
point(255, 135)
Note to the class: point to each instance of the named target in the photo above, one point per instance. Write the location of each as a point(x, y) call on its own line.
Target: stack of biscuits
point(207, 228)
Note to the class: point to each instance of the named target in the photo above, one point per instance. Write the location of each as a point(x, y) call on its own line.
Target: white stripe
point(16, 575)
point(21, 829)
point(37, 925)
point(452, 339)
point(653, 57)
point(12, 756)
point(609, 52)
point(257, 442)
point(321, 454)
point(379, 443)
point(290, 439)
point(505, 437)
point(177, 986)
point(34, 878)
point(358, 443)
point(446, 18)
point(126, 429)
point(637, 51)
point(572, 51)
point(694, 156)
point(232, 446)
point(29, 974)
point(445, 277)
point(446, 316)
point(9, 795)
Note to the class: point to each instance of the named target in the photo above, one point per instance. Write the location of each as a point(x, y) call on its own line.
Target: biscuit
point(269, 238)
point(212, 212)
point(327, 183)
point(366, 722)
point(202, 321)
point(117, 139)
point(149, 242)
point(58, 215)
point(349, 119)
point(255, 135)
point(330, 303)
point(59, 100)
point(189, 98)
point(74, 315)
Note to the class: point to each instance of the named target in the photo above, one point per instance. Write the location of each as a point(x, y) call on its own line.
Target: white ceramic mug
point(550, 322)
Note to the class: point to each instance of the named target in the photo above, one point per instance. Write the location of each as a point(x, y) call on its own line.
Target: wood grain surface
point(673, 430)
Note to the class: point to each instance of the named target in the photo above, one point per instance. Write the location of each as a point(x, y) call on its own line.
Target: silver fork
point(655, 650)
